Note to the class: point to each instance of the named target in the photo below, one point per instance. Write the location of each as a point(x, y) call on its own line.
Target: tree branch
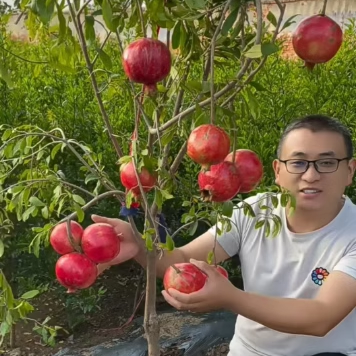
point(78, 26)
point(212, 56)
point(112, 193)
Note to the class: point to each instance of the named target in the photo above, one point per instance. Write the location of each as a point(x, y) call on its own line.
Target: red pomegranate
point(222, 271)
point(147, 61)
point(129, 180)
point(100, 242)
point(250, 169)
point(208, 144)
point(317, 39)
point(75, 271)
point(184, 277)
point(59, 239)
point(220, 183)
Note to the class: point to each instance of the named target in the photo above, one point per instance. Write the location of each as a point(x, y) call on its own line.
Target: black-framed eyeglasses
point(324, 165)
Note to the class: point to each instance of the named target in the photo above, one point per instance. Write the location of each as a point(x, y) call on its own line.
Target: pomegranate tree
point(59, 238)
point(220, 183)
point(147, 61)
point(184, 277)
point(208, 144)
point(250, 169)
point(317, 39)
point(75, 271)
point(129, 179)
point(100, 243)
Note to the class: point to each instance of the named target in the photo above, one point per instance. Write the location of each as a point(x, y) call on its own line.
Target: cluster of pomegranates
point(220, 179)
point(77, 267)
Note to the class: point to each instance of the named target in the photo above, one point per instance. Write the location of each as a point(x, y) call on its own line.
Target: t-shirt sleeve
point(232, 235)
point(347, 264)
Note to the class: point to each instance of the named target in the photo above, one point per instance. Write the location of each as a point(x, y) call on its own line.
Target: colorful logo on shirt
point(319, 275)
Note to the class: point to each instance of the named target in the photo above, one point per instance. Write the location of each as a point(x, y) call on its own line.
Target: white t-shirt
point(291, 266)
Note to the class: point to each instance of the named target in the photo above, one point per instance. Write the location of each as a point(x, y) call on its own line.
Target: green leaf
point(193, 228)
point(289, 22)
point(269, 48)
point(2, 248)
point(80, 213)
point(7, 133)
point(5, 75)
point(158, 199)
point(105, 58)
point(210, 258)
point(259, 224)
point(78, 199)
point(166, 195)
point(228, 208)
point(274, 201)
point(30, 294)
point(196, 4)
point(254, 52)
point(169, 243)
point(176, 35)
point(284, 199)
point(45, 212)
point(230, 20)
point(4, 328)
point(62, 26)
point(272, 19)
point(28, 212)
point(268, 228)
point(44, 9)
point(108, 16)
point(89, 30)
point(36, 202)
point(55, 149)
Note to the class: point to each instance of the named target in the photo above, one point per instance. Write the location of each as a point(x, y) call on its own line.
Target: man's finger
point(206, 268)
point(102, 219)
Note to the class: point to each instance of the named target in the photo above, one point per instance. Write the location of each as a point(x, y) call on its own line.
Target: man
point(299, 293)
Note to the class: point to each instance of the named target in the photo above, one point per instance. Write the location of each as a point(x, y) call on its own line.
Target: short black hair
point(318, 123)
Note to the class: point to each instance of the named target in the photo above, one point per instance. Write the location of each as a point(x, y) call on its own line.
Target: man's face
point(314, 190)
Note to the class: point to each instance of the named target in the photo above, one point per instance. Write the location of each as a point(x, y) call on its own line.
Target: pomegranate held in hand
point(222, 271)
point(100, 242)
point(317, 39)
point(75, 271)
point(249, 167)
point(184, 277)
point(147, 61)
point(129, 180)
point(208, 144)
point(221, 183)
point(59, 238)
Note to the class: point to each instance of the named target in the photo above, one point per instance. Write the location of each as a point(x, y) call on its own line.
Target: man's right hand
point(129, 247)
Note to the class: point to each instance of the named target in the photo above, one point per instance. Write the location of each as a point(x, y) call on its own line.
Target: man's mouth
point(310, 191)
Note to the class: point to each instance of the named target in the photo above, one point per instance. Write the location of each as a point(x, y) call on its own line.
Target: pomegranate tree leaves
point(196, 4)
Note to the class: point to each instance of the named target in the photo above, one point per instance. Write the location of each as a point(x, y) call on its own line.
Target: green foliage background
point(48, 97)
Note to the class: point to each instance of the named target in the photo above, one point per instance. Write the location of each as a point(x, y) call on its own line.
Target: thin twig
point(79, 28)
point(101, 47)
point(112, 193)
point(324, 7)
point(212, 56)
point(141, 18)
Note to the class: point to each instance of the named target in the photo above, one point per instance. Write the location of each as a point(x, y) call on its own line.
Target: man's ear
point(276, 168)
point(352, 168)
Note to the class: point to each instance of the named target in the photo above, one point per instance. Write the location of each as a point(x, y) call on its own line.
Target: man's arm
point(336, 299)
point(198, 249)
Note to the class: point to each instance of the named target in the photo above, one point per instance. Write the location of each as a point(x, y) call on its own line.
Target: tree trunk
point(151, 323)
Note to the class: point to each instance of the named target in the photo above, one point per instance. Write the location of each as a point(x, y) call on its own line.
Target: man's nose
point(311, 173)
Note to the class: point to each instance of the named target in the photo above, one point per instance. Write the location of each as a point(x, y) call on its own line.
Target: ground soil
point(108, 324)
